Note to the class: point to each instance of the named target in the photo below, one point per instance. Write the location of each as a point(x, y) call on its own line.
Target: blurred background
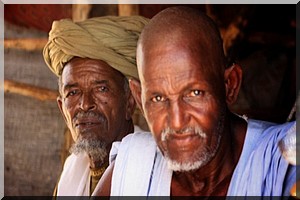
point(261, 38)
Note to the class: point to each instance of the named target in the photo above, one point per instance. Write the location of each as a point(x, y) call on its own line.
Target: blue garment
point(262, 170)
point(140, 169)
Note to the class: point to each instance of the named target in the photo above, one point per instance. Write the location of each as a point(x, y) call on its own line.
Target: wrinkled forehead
point(92, 69)
point(90, 65)
point(176, 49)
point(185, 28)
point(199, 42)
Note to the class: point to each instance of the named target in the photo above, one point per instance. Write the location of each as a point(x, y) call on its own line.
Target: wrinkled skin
point(176, 94)
point(93, 101)
point(184, 87)
point(184, 93)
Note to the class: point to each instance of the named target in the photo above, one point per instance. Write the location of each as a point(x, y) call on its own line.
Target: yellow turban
point(112, 39)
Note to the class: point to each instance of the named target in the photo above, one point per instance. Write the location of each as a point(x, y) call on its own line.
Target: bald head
point(187, 29)
point(182, 20)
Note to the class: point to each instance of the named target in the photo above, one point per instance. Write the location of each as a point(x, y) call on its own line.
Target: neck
point(98, 164)
point(127, 128)
point(214, 178)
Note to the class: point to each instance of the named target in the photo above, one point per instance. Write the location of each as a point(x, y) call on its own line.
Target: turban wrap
point(112, 39)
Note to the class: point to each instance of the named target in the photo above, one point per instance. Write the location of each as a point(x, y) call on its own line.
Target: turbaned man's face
point(93, 102)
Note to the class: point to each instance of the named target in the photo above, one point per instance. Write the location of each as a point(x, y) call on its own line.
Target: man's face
point(93, 101)
point(181, 106)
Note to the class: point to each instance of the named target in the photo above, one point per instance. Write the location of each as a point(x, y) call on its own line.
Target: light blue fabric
point(140, 169)
point(262, 170)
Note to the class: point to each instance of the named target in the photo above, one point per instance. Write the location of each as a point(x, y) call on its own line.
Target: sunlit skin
point(92, 86)
point(175, 94)
point(184, 84)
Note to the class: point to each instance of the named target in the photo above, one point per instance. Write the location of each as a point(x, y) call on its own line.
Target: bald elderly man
point(93, 59)
point(197, 147)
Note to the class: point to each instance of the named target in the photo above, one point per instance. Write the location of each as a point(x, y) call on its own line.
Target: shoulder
point(133, 160)
point(132, 142)
point(264, 128)
point(75, 160)
point(136, 138)
point(70, 159)
point(262, 169)
point(263, 138)
point(138, 135)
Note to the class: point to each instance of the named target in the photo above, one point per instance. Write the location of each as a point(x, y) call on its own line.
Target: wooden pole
point(39, 93)
point(128, 9)
point(80, 12)
point(28, 44)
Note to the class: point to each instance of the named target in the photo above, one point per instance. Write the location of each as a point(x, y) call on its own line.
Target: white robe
point(75, 177)
point(136, 158)
point(140, 169)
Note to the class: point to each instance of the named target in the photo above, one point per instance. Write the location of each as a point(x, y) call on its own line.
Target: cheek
point(155, 119)
point(215, 111)
point(207, 113)
point(68, 117)
point(115, 113)
point(115, 108)
point(67, 109)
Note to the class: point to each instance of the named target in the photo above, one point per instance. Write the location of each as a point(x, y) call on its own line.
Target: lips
point(84, 121)
point(87, 123)
point(183, 141)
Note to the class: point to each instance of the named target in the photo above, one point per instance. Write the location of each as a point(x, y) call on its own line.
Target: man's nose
point(177, 116)
point(87, 101)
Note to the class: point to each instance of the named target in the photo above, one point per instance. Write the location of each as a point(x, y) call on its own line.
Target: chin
point(91, 145)
point(184, 166)
point(189, 161)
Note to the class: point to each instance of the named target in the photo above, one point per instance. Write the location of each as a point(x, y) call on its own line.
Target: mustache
point(197, 130)
point(89, 114)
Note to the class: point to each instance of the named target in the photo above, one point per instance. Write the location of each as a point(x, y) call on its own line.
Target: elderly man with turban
point(93, 60)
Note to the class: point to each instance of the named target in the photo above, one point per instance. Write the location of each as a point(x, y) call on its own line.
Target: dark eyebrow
point(68, 86)
point(101, 81)
point(71, 85)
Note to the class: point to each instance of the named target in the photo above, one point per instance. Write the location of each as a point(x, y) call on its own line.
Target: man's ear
point(136, 90)
point(233, 81)
point(59, 103)
point(130, 107)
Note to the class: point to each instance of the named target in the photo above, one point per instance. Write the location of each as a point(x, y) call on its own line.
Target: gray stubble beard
point(203, 157)
point(95, 148)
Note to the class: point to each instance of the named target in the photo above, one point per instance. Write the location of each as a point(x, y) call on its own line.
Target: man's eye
point(157, 98)
point(71, 93)
point(195, 93)
point(103, 89)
